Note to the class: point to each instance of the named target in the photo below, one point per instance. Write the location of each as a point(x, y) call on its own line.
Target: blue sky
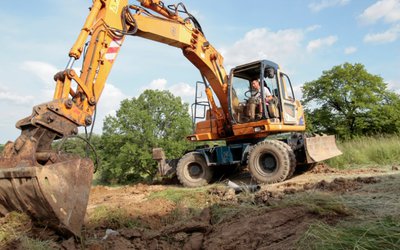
point(304, 37)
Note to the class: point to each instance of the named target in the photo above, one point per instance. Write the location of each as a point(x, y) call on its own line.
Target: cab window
point(286, 87)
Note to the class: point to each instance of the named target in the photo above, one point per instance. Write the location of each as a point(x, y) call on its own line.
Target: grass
point(320, 203)
point(33, 244)
point(188, 197)
point(367, 151)
point(113, 218)
point(382, 233)
point(374, 224)
point(14, 228)
point(225, 211)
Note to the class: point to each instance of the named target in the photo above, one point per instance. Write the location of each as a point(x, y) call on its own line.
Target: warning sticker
point(113, 50)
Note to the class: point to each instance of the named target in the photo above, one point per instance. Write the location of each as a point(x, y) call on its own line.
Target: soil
point(266, 228)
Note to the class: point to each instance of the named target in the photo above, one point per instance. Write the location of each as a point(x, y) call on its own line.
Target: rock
point(110, 232)
point(69, 244)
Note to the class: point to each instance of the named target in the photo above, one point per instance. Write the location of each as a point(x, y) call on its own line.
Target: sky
point(303, 37)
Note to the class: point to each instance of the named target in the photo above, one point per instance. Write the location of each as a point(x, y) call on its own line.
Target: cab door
point(287, 99)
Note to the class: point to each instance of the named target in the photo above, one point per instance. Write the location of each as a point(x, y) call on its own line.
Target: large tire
point(292, 157)
point(269, 162)
point(192, 170)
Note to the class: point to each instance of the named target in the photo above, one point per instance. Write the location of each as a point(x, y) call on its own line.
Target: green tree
point(154, 119)
point(1, 148)
point(79, 146)
point(348, 101)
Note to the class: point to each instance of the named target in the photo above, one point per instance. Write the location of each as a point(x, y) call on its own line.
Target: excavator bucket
point(319, 148)
point(55, 195)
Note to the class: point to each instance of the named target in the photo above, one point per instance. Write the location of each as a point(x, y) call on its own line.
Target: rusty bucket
point(319, 148)
point(54, 195)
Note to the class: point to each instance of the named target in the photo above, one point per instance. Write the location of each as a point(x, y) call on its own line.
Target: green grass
point(189, 197)
point(374, 222)
point(367, 151)
point(13, 227)
point(320, 203)
point(225, 211)
point(33, 244)
point(382, 233)
point(113, 218)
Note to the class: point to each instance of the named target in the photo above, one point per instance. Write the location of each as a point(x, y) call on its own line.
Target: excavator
point(53, 187)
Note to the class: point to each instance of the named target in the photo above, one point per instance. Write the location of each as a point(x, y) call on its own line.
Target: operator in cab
point(257, 97)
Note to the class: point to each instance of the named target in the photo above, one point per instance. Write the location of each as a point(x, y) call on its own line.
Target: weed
point(112, 218)
point(189, 197)
point(13, 227)
point(382, 233)
point(378, 150)
point(223, 212)
point(320, 203)
point(33, 244)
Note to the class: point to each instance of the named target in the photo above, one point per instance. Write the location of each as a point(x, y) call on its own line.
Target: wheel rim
point(267, 163)
point(195, 170)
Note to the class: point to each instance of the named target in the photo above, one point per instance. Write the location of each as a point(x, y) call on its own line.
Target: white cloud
point(321, 42)
point(324, 4)
point(387, 10)
point(313, 28)
point(264, 44)
point(394, 86)
point(157, 84)
point(388, 36)
point(44, 71)
point(183, 90)
point(8, 96)
point(110, 100)
point(109, 103)
point(350, 50)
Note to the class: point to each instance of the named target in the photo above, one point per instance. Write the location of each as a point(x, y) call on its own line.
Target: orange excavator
point(53, 187)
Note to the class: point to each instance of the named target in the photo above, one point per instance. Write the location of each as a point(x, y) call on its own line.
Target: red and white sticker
point(112, 50)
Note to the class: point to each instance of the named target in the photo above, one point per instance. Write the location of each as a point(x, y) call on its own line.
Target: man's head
point(255, 84)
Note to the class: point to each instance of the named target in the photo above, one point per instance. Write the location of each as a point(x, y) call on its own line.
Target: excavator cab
point(278, 105)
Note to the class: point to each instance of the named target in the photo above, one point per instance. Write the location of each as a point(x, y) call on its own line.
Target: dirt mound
point(342, 185)
point(322, 168)
point(276, 229)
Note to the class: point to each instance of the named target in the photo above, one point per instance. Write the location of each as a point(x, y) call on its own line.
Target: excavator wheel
point(292, 157)
point(269, 162)
point(193, 171)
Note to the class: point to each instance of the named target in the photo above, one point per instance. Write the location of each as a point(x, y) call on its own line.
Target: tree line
point(347, 101)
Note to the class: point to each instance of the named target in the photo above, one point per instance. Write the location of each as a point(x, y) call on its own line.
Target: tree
point(347, 100)
point(154, 119)
point(79, 146)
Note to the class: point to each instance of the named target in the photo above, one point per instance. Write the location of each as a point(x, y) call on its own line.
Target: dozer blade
point(321, 148)
point(55, 195)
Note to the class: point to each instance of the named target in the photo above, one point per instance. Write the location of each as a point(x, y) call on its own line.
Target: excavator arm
point(53, 187)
